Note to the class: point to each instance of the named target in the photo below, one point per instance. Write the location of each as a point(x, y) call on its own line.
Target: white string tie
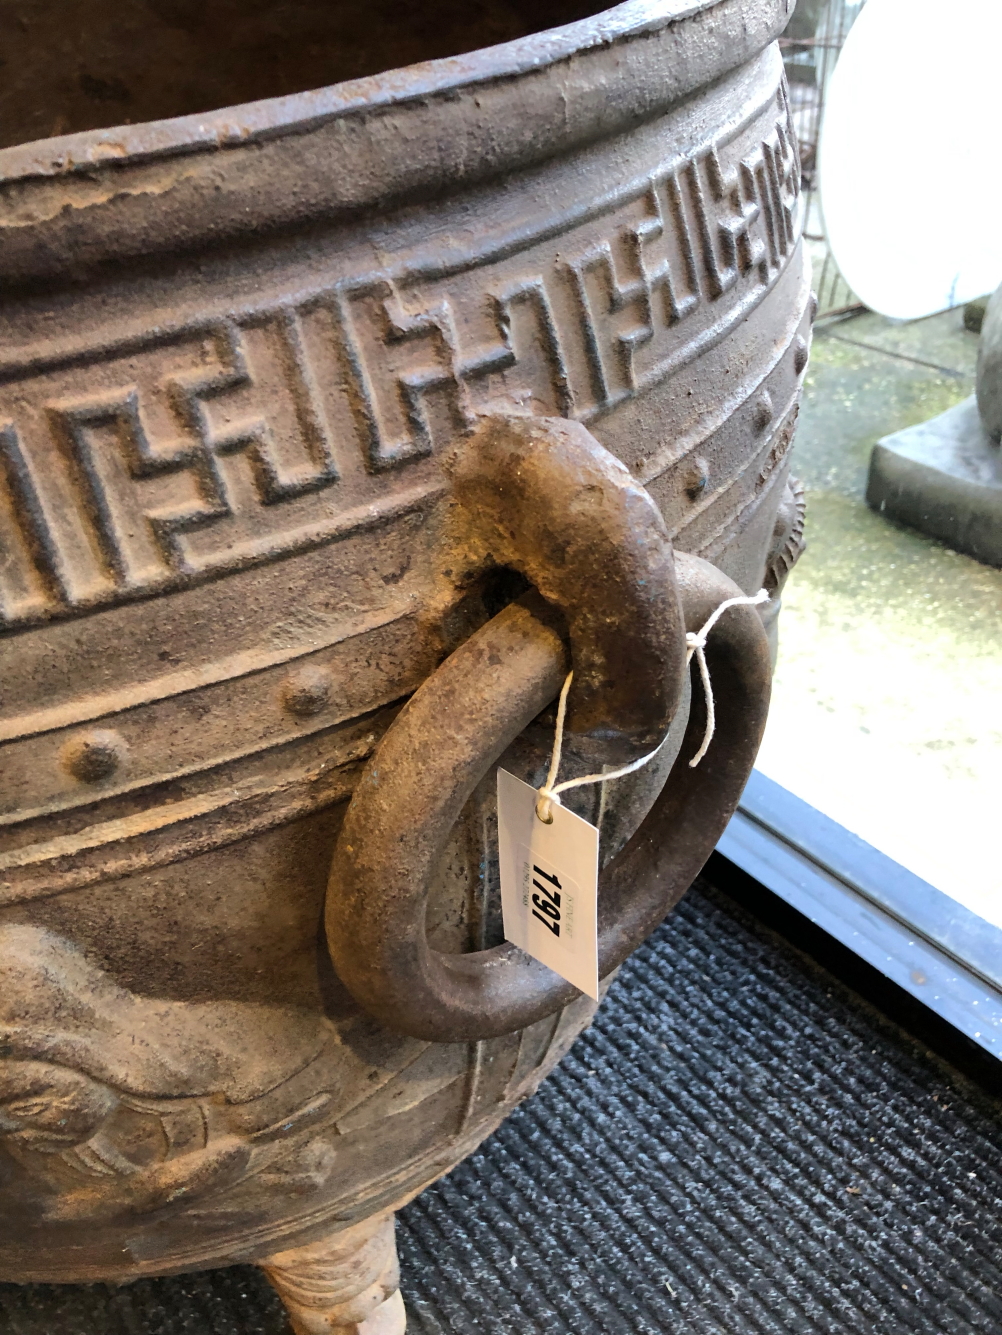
point(694, 644)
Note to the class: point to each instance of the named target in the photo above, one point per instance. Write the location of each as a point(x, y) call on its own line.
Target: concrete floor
point(887, 713)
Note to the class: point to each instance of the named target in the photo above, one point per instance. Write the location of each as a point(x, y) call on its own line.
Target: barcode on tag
point(549, 884)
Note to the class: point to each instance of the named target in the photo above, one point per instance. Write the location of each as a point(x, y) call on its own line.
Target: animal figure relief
point(788, 542)
point(121, 1101)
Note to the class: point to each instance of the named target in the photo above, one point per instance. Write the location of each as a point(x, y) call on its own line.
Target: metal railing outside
point(811, 46)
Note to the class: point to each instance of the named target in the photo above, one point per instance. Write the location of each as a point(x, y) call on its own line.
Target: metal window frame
point(944, 956)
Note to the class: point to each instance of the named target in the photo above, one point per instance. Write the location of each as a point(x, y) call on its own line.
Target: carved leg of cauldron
point(345, 1284)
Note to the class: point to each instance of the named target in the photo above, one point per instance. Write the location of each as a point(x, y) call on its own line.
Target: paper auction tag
point(549, 884)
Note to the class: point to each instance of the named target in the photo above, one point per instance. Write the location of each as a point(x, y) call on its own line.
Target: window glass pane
point(887, 712)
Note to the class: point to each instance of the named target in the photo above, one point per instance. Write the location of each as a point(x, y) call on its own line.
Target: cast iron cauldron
point(334, 428)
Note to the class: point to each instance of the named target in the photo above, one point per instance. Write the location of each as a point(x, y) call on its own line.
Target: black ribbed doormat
point(739, 1146)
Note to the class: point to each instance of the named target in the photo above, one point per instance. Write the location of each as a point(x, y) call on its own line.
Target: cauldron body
point(238, 352)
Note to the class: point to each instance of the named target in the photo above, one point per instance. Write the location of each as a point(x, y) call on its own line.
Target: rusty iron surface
point(332, 428)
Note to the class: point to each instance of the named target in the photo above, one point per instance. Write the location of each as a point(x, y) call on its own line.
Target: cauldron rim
point(295, 113)
point(338, 151)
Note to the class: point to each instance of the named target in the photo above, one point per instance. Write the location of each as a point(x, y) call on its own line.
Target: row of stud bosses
point(174, 458)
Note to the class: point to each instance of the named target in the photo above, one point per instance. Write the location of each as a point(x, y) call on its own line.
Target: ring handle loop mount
point(553, 503)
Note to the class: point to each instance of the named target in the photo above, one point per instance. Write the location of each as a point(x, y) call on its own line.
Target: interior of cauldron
point(71, 65)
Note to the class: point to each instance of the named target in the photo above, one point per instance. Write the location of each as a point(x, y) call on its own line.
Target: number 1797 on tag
point(549, 883)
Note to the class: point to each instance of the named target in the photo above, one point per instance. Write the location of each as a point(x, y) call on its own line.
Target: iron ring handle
point(414, 788)
point(441, 745)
